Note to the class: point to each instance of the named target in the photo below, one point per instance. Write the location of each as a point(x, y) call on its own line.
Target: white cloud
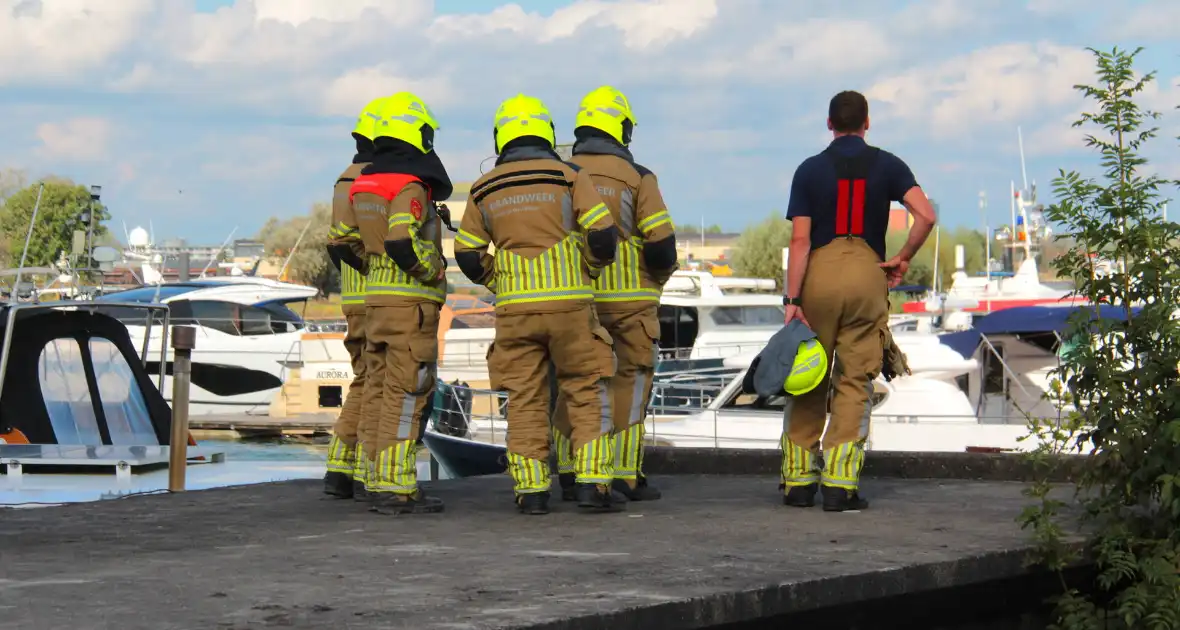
point(342, 95)
point(1006, 84)
point(249, 107)
point(643, 24)
point(1155, 19)
point(77, 139)
point(299, 12)
point(49, 41)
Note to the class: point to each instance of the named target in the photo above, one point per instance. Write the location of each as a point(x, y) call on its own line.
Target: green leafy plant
point(60, 215)
point(1118, 382)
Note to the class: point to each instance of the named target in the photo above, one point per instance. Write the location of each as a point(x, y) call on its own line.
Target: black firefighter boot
point(359, 491)
point(568, 482)
point(393, 504)
point(640, 492)
point(338, 485)
point(598, 497)
point(569, 489)
point(533, 503)
point(841, 500)
point(800, 496)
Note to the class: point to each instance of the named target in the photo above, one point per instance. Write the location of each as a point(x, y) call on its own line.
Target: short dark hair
point(848, 111)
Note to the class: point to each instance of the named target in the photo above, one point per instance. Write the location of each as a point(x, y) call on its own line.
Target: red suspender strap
point(842, 202)
point(851, 175)
point(858, 207)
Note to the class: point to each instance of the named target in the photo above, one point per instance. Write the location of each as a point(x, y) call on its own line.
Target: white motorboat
point(247, 335)
point(971, 390)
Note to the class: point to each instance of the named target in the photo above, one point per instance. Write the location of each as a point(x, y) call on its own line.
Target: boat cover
point(73, 377)
point(1024, 320)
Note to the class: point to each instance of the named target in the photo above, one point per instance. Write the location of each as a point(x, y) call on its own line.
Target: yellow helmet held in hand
point(608, 110)
point(406, 117)
point(809, 370)
point(522, 116)
point(366, 121)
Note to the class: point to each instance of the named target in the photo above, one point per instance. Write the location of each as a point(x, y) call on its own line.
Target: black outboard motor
point(456, 407)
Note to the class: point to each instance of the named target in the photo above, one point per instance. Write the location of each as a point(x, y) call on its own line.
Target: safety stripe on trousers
point(397, 469)
point(595, 461)
point(341, 457)
point(799, 467)
point(565, 453)
point(406, 422)
point(628, 450)
point(843, 463)
point(362, 468)
point(530, 475)
point(639, 394)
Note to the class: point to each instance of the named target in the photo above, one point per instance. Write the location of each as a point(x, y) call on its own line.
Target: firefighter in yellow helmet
point(406, 287)
point(346, 466)
point(627, 293)
point(550, 229)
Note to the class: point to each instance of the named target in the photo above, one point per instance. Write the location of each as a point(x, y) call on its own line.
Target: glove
point(893, 363)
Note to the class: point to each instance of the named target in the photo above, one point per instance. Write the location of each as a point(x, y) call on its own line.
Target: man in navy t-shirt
point(839, 273)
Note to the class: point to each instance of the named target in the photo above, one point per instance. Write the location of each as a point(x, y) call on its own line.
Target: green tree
point(11, 181)
point(309, 264)
point(758, 252)
point(696, 229)
point(1118, 382)
point(62, 205)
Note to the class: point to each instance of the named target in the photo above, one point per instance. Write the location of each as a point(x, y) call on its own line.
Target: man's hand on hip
point(895, 269)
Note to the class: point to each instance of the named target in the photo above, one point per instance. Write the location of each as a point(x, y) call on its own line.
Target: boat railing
point(470, 412)
point(708, 429)
point(712, 351)
point(458, 355)
point(461, 353)
point(150, 315)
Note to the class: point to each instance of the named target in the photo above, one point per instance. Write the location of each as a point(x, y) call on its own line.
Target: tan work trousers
point(518, 362)
point(401, 351)
point(342, 451)
point(635, 332)
point(845, 301)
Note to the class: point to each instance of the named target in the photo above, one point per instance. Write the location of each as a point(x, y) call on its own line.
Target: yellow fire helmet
point(522, 116)
point(608, 110)
point(366, 121)
point(404, 116)
point(809, 370)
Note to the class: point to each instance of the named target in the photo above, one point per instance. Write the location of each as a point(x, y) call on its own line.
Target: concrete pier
point(718, 550)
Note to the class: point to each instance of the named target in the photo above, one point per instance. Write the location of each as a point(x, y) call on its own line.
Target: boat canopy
point(1025, 320)
point(73, 377)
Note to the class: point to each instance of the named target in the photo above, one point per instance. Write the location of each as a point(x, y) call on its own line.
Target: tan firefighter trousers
point(402, 355)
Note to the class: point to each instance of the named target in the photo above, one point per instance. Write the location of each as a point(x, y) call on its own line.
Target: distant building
point(248, 248)
point(900, 219)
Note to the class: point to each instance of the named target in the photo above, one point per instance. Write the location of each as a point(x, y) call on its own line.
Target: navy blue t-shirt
point(814, 192)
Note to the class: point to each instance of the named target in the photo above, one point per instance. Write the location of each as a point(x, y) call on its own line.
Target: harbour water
point(293, 450)
point(246, 462)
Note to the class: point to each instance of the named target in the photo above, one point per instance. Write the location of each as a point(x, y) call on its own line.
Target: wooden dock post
point(184, 338)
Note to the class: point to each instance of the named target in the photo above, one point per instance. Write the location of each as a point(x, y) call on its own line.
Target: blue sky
point(203, 115)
